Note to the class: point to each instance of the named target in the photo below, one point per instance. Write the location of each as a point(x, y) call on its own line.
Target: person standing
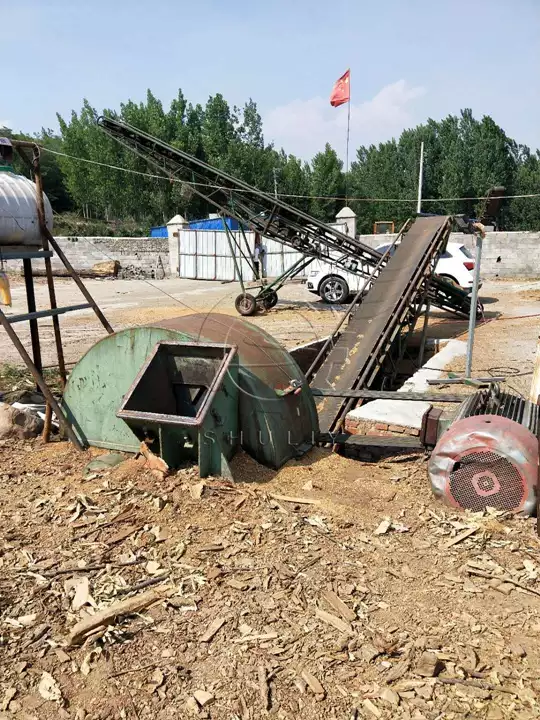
point(259, 258)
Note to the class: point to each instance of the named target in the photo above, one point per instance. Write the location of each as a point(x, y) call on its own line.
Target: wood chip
point(313, 684)
point(338, 605)
point(294, 500)
point(383, 527)
point(212, 629)
point(462, 536)
point(196, 490)
point(122, 535)
point(82, 593)
point(8, 697)
point(333, 620)
point(237, 584)
point(107, 616)
point(48, 688)
point(429, 665)
point(62, 655)
point(389, 696)
point(263, 687)
point(203, 697)
point(397, 671)
point(371, 708)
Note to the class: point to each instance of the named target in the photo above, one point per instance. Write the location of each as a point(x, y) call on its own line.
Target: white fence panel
point(206, 267)
point(206, 255)
point(225, 268)
point(186, 266)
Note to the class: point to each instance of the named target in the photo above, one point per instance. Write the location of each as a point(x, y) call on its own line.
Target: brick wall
point(146, 255)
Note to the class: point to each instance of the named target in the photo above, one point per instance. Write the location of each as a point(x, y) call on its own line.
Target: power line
point(283, 195)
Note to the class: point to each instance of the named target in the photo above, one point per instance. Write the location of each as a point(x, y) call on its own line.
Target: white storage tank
point(19, 223)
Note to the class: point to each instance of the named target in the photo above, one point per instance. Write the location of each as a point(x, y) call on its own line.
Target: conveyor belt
point(267, 215)
point(394, 302)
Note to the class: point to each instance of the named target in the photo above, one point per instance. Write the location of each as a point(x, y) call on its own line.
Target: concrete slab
point(409, 413)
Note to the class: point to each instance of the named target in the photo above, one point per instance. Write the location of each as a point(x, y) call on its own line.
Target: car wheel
point(334, 290)
point(451, 280)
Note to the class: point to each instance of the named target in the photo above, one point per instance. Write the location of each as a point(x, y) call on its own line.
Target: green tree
point(326, 180)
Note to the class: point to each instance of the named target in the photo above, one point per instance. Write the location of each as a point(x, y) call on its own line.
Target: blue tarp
point(213, 224)
point(160, 231)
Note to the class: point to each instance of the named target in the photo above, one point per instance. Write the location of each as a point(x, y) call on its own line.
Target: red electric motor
point(487, 458)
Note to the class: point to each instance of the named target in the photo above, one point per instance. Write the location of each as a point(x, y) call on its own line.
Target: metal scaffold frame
point(34, 363)
point(267, 215)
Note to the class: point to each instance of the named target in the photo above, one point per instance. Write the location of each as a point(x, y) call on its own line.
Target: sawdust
point(530, 295)
point(363, 597)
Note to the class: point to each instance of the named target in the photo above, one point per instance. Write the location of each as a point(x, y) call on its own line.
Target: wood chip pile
point(122, 596)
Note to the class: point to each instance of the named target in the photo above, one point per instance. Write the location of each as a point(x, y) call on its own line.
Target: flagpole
point(347, 150)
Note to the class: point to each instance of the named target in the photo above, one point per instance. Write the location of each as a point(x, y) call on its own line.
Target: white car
point(335, 285)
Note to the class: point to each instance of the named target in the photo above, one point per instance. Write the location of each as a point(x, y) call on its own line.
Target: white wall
point(206, 255)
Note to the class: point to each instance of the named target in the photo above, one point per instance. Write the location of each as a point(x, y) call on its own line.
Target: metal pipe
point(420, 179)
point(48, 267)
point(31, 302)
point(38, 377)
point(424, 331)
point(46, 434)
point(58, 250)
point(235, 260)
point(387, 395)
point(474, 303)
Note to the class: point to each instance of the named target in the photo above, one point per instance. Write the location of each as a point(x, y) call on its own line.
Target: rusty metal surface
point(388, 395)
point(273, 427)
point(358, 354)
point(486, 460)
point(141, 400)
point(430, 426)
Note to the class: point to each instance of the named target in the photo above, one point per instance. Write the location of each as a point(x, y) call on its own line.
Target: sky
point(410, 60)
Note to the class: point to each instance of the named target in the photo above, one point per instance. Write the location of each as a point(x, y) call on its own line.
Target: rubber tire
point(270, 299)
point(246, 304)
point(479, 310)
point(345, 292)
point(452, 281)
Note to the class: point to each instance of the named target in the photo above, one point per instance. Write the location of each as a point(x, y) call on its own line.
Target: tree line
point(463, 158)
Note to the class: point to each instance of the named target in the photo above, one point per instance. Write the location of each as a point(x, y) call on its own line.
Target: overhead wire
point(283, 195)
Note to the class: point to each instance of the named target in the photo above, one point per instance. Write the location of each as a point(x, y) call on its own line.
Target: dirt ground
point(511, 309)
point(332, 588)
point(299, 317)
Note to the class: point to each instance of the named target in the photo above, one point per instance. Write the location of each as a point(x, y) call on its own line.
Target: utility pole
point(275, 172)
point(480, 234)
point(420, 179)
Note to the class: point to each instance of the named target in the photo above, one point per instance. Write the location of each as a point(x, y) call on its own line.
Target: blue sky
point(409, 60)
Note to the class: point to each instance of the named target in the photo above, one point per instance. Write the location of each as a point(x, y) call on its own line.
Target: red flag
point(341, 92)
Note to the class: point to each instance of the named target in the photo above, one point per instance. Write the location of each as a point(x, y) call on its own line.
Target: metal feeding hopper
point(185, 401)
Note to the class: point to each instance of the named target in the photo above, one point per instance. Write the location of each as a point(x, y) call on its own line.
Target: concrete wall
point(137, 256)
point(504, 254)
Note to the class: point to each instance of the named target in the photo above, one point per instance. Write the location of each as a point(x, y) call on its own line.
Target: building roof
point(346, 212)
point(177, 220)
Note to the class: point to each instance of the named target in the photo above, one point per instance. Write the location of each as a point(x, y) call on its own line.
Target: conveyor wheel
point(246, 304)
point(270, 299)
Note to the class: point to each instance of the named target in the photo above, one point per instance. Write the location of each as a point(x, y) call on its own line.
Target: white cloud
point(302, 127)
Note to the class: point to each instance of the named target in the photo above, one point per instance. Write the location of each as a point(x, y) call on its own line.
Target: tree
point(326, 180)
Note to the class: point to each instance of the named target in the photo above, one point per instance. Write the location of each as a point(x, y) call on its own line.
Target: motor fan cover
point(486, 460)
